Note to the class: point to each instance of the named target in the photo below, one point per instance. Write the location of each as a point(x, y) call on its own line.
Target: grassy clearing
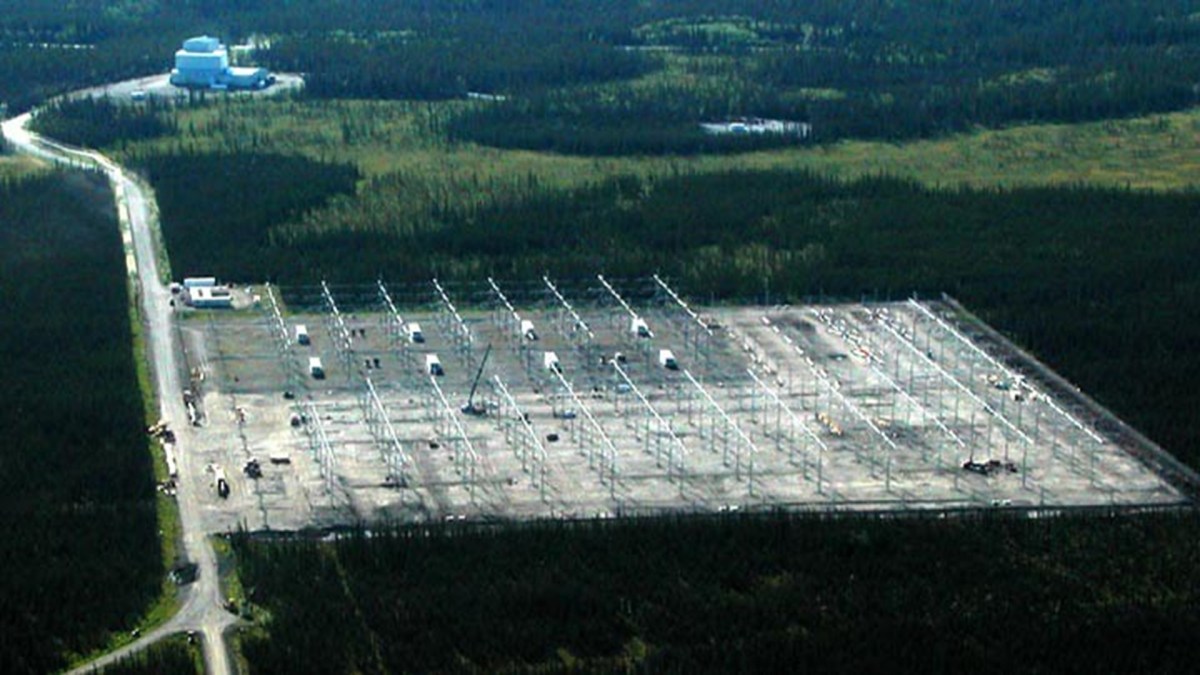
point(1158, 152)
point(231, 583)
point(410, 171)
point(15, 166)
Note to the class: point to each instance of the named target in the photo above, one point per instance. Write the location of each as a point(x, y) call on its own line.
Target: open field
point(826, 407)
point(19, 165)
point(1157, 152)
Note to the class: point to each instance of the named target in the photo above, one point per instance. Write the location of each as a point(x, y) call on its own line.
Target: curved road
point(201, 609)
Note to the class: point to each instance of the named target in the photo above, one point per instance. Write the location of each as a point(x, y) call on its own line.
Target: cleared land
point(18, 165)
point(1155, 152)
point(160, 87)
point(828, 406)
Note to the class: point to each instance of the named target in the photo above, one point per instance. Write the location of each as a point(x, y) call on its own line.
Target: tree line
point(99, 122)
point(217, 208)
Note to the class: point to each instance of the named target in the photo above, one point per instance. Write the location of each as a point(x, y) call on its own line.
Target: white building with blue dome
point(203, 63)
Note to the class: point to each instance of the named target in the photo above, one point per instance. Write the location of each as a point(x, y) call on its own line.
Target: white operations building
point(203, 62)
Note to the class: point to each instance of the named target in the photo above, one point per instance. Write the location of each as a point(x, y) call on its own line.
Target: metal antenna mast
point(465, 458)
point(1004, 369)
point(822, 449)
point(380, 426)
point(531, 452)
point(730, 425)
point(456, 326)
point(608, 459)
point(337, 326)
point(579, 325)
point(676, 451)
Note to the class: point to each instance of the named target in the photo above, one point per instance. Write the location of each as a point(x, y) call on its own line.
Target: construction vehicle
point(219, 480)
point(252, 468)
point(161, 431)
point(473, 408)
point(829, 423)
point(989, 467)
point(189, 402)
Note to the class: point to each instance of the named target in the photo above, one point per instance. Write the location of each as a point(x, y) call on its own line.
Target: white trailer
point(315, 368)
point(666, 359)
point(172, 464)
point(639, 328)
point(527, 330)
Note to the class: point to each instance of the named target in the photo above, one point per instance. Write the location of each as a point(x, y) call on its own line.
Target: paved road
point(159, 87)
point(202, 606)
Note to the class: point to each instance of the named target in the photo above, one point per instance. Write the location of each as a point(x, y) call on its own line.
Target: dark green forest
point(230, 237)
point(868, 69)
point(79, 533)
point(625, 77)
point(99, 122)
point(755, 594)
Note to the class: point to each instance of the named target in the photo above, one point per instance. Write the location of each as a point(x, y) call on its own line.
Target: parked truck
point(639, 328)
point(666, 359)
point(528, 331)
point(221, 482)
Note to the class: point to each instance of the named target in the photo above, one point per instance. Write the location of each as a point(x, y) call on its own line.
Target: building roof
point(202, 44)
point(210, 296)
